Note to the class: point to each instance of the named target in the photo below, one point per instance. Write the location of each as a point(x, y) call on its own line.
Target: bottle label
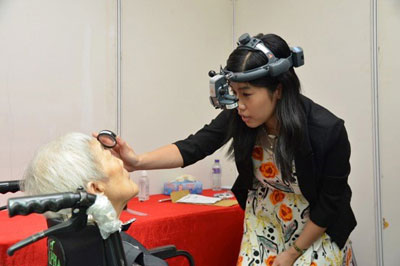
point(216, 170)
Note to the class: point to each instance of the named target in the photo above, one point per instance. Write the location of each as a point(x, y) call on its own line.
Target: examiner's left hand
point(286, 258)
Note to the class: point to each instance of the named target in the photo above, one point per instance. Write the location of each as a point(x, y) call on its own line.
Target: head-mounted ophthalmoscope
point(220, 94)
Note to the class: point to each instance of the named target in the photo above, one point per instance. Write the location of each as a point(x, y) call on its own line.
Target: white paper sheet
point(198, 199)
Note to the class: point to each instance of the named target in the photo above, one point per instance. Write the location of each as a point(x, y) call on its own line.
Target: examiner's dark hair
point(289, 112)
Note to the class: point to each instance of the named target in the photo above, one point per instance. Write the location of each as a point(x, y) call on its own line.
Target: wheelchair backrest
point(85, 247)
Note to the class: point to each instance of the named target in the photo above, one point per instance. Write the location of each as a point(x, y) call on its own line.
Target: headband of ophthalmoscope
point(220, 95)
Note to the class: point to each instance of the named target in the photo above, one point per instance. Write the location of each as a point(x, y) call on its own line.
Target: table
point(211, 234)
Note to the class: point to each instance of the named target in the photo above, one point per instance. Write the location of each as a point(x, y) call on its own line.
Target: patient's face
point(119, 188)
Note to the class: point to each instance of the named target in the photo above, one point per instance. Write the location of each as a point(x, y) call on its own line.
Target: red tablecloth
point(211, 234)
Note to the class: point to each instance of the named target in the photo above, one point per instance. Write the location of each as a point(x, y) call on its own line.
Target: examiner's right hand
point(124, 152)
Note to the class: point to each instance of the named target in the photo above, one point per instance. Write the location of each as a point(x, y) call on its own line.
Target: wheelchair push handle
point(9, 186)
point(50, 202)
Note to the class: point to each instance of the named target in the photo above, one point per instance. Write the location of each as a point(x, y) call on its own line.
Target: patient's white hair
point(62, 165)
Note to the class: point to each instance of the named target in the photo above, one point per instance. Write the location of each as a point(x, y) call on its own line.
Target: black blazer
point(322, 166)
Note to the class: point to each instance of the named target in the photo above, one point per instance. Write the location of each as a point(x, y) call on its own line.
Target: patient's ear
point(95, 187)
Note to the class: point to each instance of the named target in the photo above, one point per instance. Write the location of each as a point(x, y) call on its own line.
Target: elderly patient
point(76, 160)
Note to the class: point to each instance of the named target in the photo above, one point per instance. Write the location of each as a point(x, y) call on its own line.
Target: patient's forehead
point(98, 152)
point(96, 147)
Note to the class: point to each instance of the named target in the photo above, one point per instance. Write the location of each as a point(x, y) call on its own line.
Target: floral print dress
point(276, 213)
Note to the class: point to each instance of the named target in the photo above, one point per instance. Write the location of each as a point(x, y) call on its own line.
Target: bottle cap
point(144, 173)
point(216, 160)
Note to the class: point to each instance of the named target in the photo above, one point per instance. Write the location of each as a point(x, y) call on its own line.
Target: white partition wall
point(336, 39)
point(57, 74)
point(168, 48)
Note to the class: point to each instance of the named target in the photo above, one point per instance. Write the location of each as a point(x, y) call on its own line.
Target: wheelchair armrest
point(169, 251)
point(163, 252)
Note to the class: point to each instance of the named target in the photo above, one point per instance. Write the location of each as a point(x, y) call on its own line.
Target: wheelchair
point(75, 242)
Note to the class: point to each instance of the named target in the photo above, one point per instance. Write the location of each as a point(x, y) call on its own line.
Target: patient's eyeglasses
point(107, 138)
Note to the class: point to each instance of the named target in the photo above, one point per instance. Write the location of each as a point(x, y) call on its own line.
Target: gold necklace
point(271, 140)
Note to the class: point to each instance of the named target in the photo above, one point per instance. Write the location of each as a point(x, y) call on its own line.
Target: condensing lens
point(107, 138)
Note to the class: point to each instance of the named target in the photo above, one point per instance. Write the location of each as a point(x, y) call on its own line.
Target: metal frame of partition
point(119, 72)
point(233, 24)
point(375, 134)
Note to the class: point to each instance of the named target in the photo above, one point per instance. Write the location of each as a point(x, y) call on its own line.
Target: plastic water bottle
point(143, 186)
point(216, 175)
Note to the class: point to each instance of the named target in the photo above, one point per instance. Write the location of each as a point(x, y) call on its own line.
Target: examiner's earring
point(278, 91)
